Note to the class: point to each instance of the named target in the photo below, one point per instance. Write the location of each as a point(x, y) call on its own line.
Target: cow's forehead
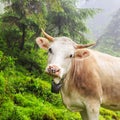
point(63, 42)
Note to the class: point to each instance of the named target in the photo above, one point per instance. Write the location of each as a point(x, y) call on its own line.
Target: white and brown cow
point(87, 79)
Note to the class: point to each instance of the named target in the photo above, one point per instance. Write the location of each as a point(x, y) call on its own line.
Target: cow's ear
point(42, 43)
point(81, 53)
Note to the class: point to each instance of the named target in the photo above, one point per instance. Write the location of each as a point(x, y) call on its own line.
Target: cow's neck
point(71, 98)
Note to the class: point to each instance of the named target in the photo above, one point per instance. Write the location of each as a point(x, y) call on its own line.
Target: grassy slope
point(25, 91)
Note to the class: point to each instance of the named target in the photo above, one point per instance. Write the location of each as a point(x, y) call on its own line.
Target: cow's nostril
point(57, 70)
point(49, 69)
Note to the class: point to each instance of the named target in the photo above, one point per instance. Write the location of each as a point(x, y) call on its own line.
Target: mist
point(100, 21)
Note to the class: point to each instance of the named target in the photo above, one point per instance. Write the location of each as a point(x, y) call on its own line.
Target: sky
point(105, 4)
point(98, 24)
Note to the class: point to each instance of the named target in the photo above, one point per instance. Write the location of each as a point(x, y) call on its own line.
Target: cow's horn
point(84, 46)
point(50, 38)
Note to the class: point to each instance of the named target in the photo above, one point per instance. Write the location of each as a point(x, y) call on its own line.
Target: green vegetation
point(24, 95)
point(24, 87)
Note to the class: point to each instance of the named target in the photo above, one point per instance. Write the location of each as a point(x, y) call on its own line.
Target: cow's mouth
point(55, 87)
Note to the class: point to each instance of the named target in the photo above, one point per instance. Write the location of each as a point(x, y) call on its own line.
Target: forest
point(25, 89)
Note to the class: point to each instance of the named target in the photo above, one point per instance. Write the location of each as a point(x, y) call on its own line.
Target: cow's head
point(61, 51)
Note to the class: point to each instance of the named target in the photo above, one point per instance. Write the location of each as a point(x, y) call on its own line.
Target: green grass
point(25, 94)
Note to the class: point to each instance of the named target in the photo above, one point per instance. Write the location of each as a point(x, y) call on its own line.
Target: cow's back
point(109, 73)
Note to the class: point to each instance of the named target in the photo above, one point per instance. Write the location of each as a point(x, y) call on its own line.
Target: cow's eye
point(71, 55)
point(50, 50)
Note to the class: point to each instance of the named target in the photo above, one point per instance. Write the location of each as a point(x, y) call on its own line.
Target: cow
point(87, 79)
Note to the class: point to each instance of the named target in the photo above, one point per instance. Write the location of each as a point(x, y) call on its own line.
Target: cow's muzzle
point(53, 70)
point(55, 88)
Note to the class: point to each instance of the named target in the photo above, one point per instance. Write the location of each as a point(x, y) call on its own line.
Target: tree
point(22, 20)
point(21, 17)
point(70, 21)
point(25, 17)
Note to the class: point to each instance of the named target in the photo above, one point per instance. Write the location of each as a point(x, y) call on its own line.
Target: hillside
point(25, 89)
point(101, 20)
point(110, 41)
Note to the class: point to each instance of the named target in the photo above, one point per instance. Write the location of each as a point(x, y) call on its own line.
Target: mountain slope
point(101, 20)
point(110, 40)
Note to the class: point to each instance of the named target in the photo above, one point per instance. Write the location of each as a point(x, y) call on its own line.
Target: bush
point(2, 83)
point(108, 115)
point(6, 61)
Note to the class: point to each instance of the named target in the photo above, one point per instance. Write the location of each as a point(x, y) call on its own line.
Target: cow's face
point(61, 51)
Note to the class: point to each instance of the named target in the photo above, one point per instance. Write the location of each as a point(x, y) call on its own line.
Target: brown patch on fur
point(45, 46)
point(83, 77)
point(112, 90)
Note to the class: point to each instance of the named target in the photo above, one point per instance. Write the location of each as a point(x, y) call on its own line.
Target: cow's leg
point(84, 115)
point(93, 110)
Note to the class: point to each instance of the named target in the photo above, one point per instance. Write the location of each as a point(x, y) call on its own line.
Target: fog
point(98, 24)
